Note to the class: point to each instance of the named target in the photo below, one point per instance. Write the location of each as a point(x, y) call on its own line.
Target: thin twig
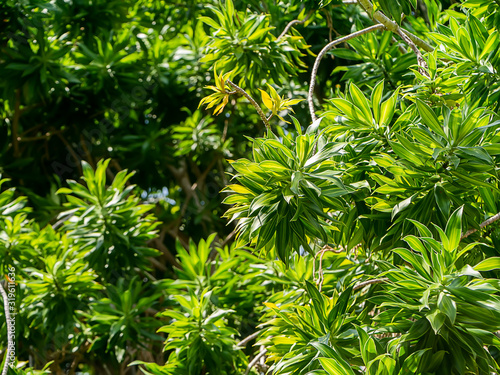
point(252, 101)
point(393, 26)
point(228, 238)
point(247, 339)
point(10, 342)
point(369, 282)
point(420, 59)
point(15, 123)
point(400, 47)
point(295, 22)
point(72, 152)
point(482, 225)
point(44, 137)
point(255, 360)
point(325, 49)
point(321, 253)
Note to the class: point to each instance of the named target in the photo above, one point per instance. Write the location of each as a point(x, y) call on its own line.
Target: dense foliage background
point(172, 203)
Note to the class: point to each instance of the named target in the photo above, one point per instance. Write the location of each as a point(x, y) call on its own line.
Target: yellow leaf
point(218, 79)
point(268, 102)
point(274, 94)
point(221, 106)
point(271, 305)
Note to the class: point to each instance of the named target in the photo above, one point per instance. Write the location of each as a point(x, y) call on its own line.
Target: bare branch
point(255, 360)
point(247, 339)
point(228, 238)
point(393, 26)
point(420, 59)
point(15, 123)
point(295, 22)
point(252, 101)
point(369, 282)
point(325, 49)
point(482, 225)
point(10, 343)
point(400, 47)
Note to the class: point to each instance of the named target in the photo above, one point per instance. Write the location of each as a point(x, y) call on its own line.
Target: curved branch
point(247, 339)
point(491, 220)
point(255, 360)
point(294, 22)
point(420, 59)
point(10, 343)
point(393, 26)
point(369, 282)
point(251, 100)
point(325, 49)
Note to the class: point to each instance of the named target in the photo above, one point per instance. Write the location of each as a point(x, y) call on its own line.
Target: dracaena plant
point(243, 42)
point(474, 50)
point(230, 273)
point(447, 311)
point(124, 316)
point(284, 194)
point(296, 334)
point(108, 222)
point(198, 339)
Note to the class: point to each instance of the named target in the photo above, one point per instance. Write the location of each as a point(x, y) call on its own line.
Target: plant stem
point(295, 22)
point(325, 49)
point(10, 343)
point(255, 360)
point(15, 123)
point(247, 339)
point(491, 220)
point(369, 282)
point(420, 59)
point(393, 26)
point(252, 101)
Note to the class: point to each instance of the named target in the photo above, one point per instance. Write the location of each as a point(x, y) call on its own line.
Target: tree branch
point(295, 22)
point(247, 339)
point(10, 343)
point(393, 26)
point(325, 49)
point(252, 101)
point(369, 282)
point(420, 59)
point(482, 225)
point(255, 360)
point(15, 123)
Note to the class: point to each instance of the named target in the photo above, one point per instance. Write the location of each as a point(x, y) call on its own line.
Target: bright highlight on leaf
point(276, 103)
point(220, 98)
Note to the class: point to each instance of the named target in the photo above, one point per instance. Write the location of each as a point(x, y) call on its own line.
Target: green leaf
point(367, 346)
point(436, 318)
point(360, 100)
point(454, 228)
point(429, 118)
point(351, 111)
point(415, 260)
point(489, 264)
point(387, 109)
point(333, 367)
point(447, 306)
point(377, 100)
point(442, 200)
point(346, 54)
point(422, 229)
point(210, 22)
point(318, 302)
point(401, 206)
